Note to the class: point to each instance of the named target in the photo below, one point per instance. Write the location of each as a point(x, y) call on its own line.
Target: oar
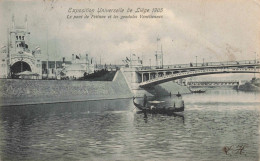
point(133, 101)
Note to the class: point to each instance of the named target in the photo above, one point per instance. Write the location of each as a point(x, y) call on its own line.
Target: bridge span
point(213, 83)
point(152, 76)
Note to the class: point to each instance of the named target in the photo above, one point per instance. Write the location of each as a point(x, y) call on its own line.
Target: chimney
point(63, 60)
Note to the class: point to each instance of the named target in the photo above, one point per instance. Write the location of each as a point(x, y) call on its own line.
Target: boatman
point(178, 102)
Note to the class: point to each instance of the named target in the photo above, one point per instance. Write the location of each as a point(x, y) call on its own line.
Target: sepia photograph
point(131, 80)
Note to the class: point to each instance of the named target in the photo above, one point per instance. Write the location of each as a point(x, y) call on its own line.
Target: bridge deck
point(148, 69)
point(154, 76)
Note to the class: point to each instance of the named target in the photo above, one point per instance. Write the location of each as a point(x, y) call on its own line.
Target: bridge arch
point(191, 73)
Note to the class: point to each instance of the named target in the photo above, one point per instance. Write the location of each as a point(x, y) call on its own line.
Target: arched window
point(22, 37)
point(19, 37)
point(16, 37)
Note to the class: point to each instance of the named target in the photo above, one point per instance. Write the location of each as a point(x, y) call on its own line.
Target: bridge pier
point(133, 79)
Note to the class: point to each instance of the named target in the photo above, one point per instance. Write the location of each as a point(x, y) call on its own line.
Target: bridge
point(213, 83)
point(150, 76)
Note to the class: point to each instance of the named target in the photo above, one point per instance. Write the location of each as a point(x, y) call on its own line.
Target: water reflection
point(111, 130)
point(146, 116)
point(25, 128)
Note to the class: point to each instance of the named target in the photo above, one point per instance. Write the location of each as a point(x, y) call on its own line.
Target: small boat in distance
point(197, 91)
point(158, 110)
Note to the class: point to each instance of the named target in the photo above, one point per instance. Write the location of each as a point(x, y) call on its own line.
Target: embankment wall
point(21, 92)
point(17, 91)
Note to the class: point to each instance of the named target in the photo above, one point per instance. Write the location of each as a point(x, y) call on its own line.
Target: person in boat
point(178, 95)
point(178, 102)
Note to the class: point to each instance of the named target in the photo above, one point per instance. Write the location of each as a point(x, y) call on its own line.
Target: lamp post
point(196, 61)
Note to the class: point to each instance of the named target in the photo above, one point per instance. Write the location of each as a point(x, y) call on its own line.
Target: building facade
point(80, 66)
point(17, 56)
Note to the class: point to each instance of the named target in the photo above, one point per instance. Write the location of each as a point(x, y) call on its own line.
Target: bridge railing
point(205, 64)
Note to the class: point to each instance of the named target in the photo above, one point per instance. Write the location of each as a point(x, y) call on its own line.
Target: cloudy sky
point(213, 30)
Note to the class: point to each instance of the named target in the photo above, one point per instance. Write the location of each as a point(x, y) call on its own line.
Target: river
point(112, 130)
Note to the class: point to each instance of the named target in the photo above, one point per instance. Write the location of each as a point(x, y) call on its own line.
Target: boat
point(198, 91)
point(158, 110)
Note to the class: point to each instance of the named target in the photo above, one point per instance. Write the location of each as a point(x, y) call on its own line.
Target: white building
point(4, 63)
point(133, 62)
point(16, 56)
point(79, 67)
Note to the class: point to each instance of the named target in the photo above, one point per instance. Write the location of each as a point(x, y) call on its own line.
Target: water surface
point(112, 130)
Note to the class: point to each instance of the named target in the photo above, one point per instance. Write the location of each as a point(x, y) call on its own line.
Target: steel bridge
point(213, 83)
point(150, 76)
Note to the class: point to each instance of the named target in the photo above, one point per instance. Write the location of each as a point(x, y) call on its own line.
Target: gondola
point(157, 110)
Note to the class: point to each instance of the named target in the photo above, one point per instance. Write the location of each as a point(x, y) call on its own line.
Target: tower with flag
point(159, 54)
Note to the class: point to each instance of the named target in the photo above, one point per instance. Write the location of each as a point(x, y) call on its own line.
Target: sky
point(213, 30)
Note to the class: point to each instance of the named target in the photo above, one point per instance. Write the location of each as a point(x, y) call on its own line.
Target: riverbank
point(24, 92)
point(249, 87)
point(21, 92)
point(252, 85)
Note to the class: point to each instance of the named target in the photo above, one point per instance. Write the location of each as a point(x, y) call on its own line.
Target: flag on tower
point(127, 59)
